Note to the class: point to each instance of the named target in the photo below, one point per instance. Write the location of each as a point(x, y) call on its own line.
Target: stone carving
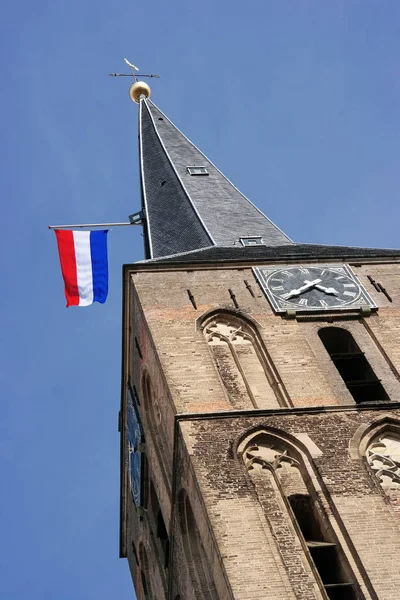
point(269, 457)
point(223, 332)
point(243, 362)
point(383, 456)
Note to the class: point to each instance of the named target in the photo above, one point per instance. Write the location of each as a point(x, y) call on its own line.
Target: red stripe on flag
point(66, 250)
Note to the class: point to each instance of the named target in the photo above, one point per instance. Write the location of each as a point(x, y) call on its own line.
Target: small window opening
point(144, 584)
point(158, 526)
point(163, 183)
point(352, 365)
point(252, 241)
point(197, 170)
point(324, 552)
point(160, 119)
point(163, 537)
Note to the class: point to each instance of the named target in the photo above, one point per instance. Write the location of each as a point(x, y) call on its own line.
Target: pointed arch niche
point(156, 428)
point(306, 538)
point(382, 452)
point(199, 569)
point(243, 362)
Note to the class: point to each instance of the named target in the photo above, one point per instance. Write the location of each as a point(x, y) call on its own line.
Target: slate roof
point(257, 254)
point(186, 212)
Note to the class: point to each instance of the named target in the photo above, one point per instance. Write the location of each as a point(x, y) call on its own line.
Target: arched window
point(383, 456)
point(276, 471)
point(199, 570)
point(150, 402)
point(352, 365)
point(157, 427)
point(245, 367)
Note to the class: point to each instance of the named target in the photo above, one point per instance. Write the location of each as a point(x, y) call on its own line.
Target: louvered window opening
point(197, 170)
point(324, 553)
point(252, 241)
point(352, 365)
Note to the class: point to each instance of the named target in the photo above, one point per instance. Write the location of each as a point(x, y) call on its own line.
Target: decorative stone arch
point(244, 364)
point(367, 431)
point(308, 537)
point(297, 446)
point(379, 445)
point(196, 558)
point(153, 414)
point(213, 312)
point(150, 403)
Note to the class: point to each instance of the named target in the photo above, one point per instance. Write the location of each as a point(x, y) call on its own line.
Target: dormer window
point(197, 170)
point(252, 241)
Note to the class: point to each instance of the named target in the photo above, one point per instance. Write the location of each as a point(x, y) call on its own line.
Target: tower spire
point(189, 203)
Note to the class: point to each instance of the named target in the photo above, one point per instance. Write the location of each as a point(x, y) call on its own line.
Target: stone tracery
point(383, 456)
point(245, 367)
point(268, 456)
point(278, 472)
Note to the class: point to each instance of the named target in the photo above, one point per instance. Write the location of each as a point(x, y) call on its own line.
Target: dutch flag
point(84, 265)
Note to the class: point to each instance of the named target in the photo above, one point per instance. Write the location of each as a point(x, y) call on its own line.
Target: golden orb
point(139, 88)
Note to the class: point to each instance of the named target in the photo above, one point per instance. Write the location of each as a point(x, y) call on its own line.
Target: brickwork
point(248, 546)
point(295, 349)
point(369, 529)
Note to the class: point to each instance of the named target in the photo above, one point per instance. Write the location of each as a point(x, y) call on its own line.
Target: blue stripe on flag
point(98, 251)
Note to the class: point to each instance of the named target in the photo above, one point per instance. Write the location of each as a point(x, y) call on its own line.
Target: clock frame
point(313, 288)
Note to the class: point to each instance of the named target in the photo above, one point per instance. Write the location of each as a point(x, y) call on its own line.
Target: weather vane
point(138, 88)
point(133, 68)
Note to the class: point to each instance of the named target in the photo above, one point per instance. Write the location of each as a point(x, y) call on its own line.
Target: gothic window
point(352, 365)
point(134, 448)
point(244, 365)
point(199, 570)
point(277, 475)
point(383, 456)
point(150, 402)
point(156, 426)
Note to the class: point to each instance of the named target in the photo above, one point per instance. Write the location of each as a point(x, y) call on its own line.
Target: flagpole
point(80, 226)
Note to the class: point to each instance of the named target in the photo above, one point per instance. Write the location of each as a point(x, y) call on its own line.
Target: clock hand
point(308, 285)
point(327, 290)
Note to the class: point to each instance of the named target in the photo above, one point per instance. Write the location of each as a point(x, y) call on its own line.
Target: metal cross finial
point(132, 68)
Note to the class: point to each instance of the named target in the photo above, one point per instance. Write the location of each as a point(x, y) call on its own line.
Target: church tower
point(260, 415)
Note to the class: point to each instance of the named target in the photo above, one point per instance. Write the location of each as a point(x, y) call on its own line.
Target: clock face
point(312, 288)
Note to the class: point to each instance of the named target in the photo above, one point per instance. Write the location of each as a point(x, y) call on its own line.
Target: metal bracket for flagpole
point(136, 218)
point(82, 225)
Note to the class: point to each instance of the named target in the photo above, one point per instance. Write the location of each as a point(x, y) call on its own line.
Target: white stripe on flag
point(83, 267)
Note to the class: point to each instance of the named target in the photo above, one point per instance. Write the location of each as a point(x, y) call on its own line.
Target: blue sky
point(298, 102)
